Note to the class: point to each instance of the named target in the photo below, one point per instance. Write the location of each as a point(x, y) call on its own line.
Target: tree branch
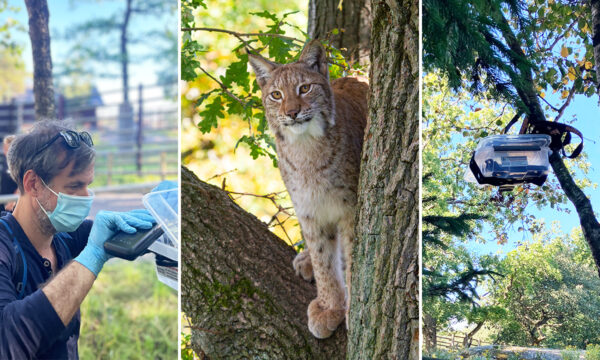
point(564, 106)
point(240, 36)
point(223, 87)
point(558, 38)
point(238, 286)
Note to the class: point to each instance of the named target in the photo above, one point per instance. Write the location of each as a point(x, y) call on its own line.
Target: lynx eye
point(304, 88)
point(276, 95)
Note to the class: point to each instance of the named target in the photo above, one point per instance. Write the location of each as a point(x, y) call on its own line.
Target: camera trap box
point(163, 205)
point(505, 160)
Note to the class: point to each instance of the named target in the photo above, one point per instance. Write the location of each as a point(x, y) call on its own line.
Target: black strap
point(556, 131)
point(20, 275)
point(62, 237)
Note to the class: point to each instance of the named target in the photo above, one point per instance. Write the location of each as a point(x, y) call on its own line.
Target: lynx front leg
point(327, 311)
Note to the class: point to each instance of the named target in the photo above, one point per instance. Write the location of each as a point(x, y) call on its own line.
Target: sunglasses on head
point(72, 138)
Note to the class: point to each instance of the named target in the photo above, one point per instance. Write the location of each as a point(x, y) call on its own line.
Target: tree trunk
point(583, 205)
point(468, 340)
point(430, 332)
point(43, 89)
point(595, 5)
point(238, 285)
point(352, 19)
point(384, 313)
point(124, 56)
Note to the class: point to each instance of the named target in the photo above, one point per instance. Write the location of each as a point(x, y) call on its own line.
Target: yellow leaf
point(588, 65)
point(564, 94)
point(543, 94)
point(586, 29)
point(564, 52)
point(571, 74)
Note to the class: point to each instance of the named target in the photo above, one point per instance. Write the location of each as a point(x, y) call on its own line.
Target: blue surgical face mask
point(70, 210)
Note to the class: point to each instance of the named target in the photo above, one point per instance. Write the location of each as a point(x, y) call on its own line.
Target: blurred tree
point(43, 88)
point(12, 73)
point(111, 30)
point(551, 298)
point(166, 55)
point(5, 27)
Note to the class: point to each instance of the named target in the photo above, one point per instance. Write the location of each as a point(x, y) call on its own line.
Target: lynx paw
point(303, 265)
point(322, 322)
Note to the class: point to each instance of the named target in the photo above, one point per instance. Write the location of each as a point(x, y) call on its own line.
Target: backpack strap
point(62, 236)
point(20, 275)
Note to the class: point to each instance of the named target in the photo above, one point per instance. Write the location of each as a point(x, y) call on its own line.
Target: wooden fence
point(139, 138)
point(455, 341)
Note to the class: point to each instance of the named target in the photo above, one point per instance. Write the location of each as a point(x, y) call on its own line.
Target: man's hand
point(106, 225)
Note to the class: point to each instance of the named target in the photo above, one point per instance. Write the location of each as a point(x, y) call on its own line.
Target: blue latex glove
point(106, 225)
point(142, 214)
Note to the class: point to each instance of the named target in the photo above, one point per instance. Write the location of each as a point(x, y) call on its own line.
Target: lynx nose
point(293, 113)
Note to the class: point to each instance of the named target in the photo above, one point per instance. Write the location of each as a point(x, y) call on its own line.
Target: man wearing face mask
point(49, 254)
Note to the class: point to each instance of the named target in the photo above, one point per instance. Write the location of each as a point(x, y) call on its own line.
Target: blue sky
point(64, 14)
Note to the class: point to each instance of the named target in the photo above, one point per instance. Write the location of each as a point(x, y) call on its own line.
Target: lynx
point(318, 129)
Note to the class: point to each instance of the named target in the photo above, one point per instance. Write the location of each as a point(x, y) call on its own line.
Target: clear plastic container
point(163, 205)
point(515, 157)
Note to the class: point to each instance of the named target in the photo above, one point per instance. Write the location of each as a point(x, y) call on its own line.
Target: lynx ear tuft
point(315, 58)
point(262, 68)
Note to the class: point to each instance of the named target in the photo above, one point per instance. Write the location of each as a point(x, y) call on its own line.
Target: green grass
point(592, 352)
point(129, 314)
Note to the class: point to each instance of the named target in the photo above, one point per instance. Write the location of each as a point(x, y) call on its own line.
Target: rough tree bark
point(353, 18)
point(595, 5)
point(238, 285)
point(384, 312)
point(43, 89)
